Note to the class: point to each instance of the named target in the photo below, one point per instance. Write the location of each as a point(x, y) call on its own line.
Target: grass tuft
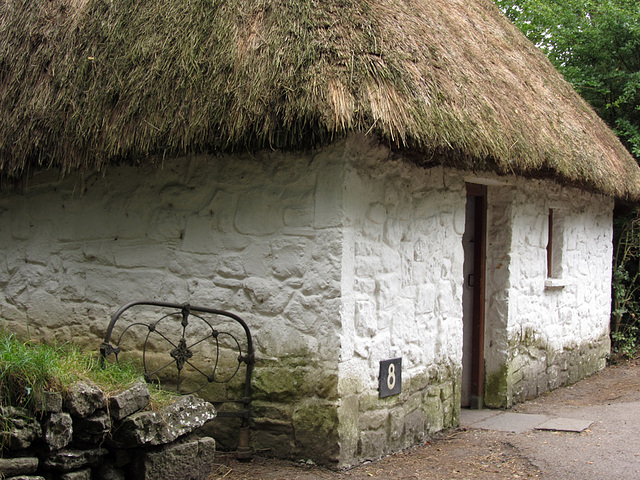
point(29, 368)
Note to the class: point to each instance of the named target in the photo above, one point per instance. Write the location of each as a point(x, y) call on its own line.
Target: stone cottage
point(404, 200)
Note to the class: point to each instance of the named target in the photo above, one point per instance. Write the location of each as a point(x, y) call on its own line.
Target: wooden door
point(474, 242)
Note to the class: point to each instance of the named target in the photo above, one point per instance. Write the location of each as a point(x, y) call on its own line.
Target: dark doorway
point(474, 243)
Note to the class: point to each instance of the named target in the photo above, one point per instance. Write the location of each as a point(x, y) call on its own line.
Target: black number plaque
point(390, 377)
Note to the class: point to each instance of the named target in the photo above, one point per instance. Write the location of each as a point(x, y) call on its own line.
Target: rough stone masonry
point(85, 436)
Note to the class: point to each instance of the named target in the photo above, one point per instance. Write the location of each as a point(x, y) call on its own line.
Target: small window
point(555, 244)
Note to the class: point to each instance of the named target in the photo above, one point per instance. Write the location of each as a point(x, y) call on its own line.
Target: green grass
point(29, 368)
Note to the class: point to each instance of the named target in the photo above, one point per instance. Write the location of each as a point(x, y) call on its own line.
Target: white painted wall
point(337, 259)
point(554, 317)
point(402, 272)
point(578, 308)
point(259, 236)
point(402, 297)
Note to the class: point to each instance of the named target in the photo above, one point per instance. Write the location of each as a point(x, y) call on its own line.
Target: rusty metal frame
point(181, 353)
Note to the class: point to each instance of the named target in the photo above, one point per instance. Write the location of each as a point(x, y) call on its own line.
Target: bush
point(625, 329)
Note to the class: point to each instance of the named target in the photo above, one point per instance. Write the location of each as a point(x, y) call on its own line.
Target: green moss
point(434, 414)
point(294, 378)
point(327, 385)
point(315, 425)
point(349, 427)
point(496, 389)
point(278, 384)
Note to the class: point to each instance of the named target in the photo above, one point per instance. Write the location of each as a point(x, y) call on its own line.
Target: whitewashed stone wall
point(258, 236)
point(337, 259)
point(543, 333)
point(402, 297)
point(319, 253)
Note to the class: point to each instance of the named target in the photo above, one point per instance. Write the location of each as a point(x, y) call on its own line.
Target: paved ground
point(510, 445)
point(609, 448)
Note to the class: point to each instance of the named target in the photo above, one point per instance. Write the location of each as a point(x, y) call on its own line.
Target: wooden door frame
point(480, 257)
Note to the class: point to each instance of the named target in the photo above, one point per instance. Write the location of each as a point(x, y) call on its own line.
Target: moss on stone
point(349, 427)
point(279, 384)
point(496, 393)
point(315, 425)
point(433, 413)
point(327, 385)
point(294, 378)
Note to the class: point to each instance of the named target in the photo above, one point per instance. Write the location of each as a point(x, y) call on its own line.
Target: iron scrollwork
point(184, 340)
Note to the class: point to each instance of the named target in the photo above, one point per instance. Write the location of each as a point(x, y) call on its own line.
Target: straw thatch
point(87, 82)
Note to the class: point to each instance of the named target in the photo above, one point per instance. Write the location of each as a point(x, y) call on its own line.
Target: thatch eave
point(84, 84)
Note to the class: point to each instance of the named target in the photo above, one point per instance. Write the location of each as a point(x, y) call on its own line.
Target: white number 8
point(391, 376)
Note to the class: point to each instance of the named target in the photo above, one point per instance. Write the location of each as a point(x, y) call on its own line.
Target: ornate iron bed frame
point(182, 352)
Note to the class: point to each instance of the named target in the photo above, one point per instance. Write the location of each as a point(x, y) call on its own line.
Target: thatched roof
point(87, 82)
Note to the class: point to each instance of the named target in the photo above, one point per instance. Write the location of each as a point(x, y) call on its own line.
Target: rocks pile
point(85, 436)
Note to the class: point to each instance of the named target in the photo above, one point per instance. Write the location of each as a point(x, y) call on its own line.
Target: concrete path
point(501, 421)
point(596, 442)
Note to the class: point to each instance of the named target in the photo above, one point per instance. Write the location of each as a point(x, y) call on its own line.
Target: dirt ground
point(456, 454)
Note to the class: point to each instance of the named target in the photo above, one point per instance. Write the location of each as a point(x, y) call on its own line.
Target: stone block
point(92, 430)
point(433, 391)
point(373, 420)
point(58, 430)
point(396, 429)
point(84, 474)
point(279, 384)
point(259, 213)
point(553, 373)
point(109, 472)
point(449, 410)
point(27, 477)
point(22, 429)
point(315, 425)
point(190, 459)
point(82, 400)
point(49, 402)
point(372, 445)
point(70, 460)
point(157, 428)
point(276, 443)
point(414, 428)
point(446, 392)
point(271, 411)
point(327, 385)
point(17, 466)
point(130, 401)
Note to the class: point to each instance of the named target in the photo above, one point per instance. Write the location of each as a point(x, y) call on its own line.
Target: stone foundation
point(536, 368)
point(429, 404)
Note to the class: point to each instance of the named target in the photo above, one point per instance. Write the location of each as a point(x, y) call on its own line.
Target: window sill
point(555, 283)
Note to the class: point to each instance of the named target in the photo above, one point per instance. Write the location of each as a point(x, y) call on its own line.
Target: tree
point(596, 46)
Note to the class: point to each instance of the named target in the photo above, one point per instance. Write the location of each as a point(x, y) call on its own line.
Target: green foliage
point(595, 44)
point(29, 368)
point(625, 343)
point(625, 328)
